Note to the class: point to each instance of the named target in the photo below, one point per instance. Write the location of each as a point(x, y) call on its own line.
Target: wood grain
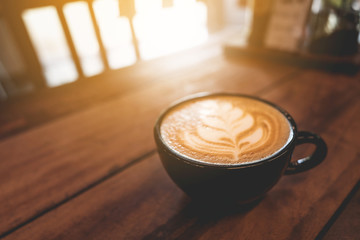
point(153, 207)
point(344, 226)
point(141, 202)
point(50, 163)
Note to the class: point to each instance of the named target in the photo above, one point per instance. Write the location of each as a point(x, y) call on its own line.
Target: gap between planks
point(337, 213)
point(111, 174)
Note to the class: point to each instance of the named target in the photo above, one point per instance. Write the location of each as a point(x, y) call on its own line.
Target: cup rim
point(192, 161)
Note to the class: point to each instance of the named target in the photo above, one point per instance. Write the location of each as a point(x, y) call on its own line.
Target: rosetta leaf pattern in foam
point(227, 130)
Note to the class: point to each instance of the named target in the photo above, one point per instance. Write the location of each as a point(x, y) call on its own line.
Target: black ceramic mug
point(241, 182)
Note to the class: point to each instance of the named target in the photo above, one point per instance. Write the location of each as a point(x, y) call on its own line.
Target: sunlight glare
point(162, 31)
point(115, 33)
point(48, 38)
point(159, 31)
point(83, 35)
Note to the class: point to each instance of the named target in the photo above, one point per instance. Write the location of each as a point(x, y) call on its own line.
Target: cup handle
point(314, 159)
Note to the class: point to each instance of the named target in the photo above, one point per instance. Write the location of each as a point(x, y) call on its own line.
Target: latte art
point(230, 131)
point(225, 129)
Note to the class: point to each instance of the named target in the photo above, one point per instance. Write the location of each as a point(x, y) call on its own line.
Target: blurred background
point(46, 44)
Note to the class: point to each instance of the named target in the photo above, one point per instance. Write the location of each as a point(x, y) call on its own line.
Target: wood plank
point(319, 90)
point(343, 64)
point(130, 190)
point(142, 202)
point(46, 165)
point(348, 224)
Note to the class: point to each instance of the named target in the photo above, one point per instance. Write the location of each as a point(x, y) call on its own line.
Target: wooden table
point(79, 161)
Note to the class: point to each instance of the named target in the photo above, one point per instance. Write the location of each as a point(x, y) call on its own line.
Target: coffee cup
point(230, 147)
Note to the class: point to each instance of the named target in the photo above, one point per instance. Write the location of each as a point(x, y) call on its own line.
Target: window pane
point(115, 33)
point(83, 35)
point(162, 31)
point(48, 38)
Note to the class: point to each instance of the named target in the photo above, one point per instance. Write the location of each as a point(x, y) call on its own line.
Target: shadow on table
point(197, 217)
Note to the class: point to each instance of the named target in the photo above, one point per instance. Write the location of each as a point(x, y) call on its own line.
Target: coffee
point(225, 129)
point(224, 147)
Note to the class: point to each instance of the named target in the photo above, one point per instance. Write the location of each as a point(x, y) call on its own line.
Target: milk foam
point(225, 129)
